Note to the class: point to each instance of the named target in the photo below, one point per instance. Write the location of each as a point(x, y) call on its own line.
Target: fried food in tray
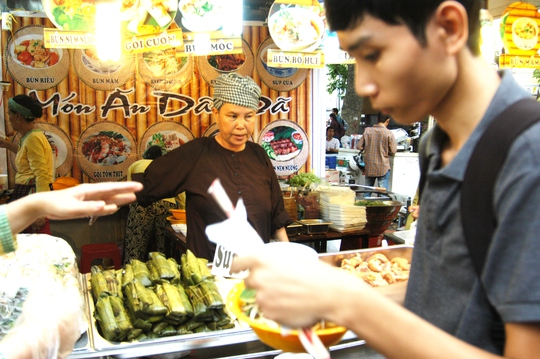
point(376, 266)
point(377, 269)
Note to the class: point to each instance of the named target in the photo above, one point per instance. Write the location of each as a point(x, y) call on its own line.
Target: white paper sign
point(222, 262)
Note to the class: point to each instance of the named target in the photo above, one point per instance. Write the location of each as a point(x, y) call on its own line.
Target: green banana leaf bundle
point(176, 301)
point(127, 275)
point(204, 297)
point(193, 324)
point(182, 329)
point(113, 318)
point(163, 266)
point(98, 283)
point(143, 302)
point(191, 271)
point(194, 270)
point(141, 272)
point(141, 324)
point(164, 329)
point(122, 317)
point(154, 275)
point(112, 282)
point(222, 319)
point(175, 267)
point(134, 334)
point(119, 282)
point(104, 283)
point(203, 329)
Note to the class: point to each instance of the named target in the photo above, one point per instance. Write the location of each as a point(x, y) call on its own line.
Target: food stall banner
point(54, 39)
point(151, 42)
point(306, 60)
point(100, 116)
point(137, 17)
point(219, 44)
point(519, 32)
point(302, 40)
point(297, 28)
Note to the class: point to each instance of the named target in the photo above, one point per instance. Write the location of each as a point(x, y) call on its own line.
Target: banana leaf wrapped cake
point(158, 298)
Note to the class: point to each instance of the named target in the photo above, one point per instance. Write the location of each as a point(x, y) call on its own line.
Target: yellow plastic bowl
point(179, 214)
point(272, 336)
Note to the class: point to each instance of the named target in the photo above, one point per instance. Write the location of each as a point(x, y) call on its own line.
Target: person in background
point(243, 167)
point(413, 59)
point(341, 120)
point(378, 144)
point(46, 333)
point(339, 130)
point(34, 155)
point(146, 224)
point(332, 144)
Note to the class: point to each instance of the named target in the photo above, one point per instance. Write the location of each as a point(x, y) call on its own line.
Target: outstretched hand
point(85, 200)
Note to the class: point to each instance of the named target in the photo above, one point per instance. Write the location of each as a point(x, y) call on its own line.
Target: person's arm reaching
point(285, 293)
point(7, 144)
point(97, 199)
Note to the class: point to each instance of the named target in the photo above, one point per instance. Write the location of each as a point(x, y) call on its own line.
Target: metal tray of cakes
point(178, 343)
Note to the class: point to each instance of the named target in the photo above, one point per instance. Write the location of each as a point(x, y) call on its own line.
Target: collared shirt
point(443, 287)
point(378, 144)
point(193, 167)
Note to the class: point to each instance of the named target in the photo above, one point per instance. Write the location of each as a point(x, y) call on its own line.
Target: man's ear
point(452, 19)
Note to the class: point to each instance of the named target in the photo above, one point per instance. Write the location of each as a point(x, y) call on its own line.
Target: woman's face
point(14, 119)
point(236, 124)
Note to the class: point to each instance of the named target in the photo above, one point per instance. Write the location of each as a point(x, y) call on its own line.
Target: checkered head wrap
point(237, 90)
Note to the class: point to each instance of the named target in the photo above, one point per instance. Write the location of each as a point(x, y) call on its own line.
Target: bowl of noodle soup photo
point(296, 28)
point(525, 33)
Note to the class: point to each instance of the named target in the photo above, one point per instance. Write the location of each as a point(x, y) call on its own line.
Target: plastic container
point(331, 162)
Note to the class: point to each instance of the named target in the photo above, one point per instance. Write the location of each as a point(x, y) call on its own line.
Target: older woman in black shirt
point(244, 169)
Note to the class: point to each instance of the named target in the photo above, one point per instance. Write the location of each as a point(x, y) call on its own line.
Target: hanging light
point(108, 36)
point(233, 18)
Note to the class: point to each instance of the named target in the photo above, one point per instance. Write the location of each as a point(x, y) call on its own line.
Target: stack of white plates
point(338, 207)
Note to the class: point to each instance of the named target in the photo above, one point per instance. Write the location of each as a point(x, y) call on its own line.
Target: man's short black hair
point(415, 14)
point(381, 117)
